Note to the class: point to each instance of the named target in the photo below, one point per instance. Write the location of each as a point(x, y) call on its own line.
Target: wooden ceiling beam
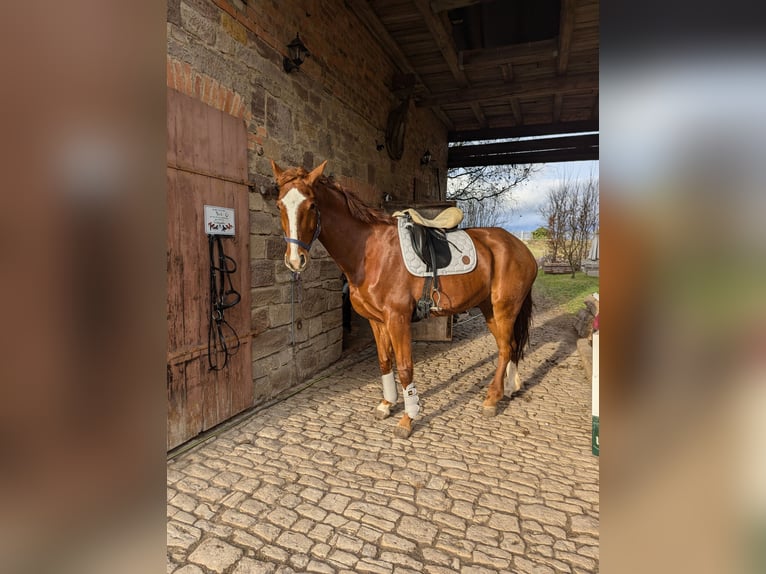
point(521, 88)
point(439, 113)
point(516, 109)
point(518, 146)
point(545, 156)
point(594, 110)
point(529, 53)
point(566, 27)
point(479, 113)
point(442, 5)
point(373, 24)
point(443, 40)
point(523, 131)
point(558, 102)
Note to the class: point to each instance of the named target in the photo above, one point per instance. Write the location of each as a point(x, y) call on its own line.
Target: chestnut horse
point(364, 243)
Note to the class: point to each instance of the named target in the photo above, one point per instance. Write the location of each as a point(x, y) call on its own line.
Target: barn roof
point(493, 70)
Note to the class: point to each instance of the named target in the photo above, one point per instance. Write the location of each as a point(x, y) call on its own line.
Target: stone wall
point(229, 55)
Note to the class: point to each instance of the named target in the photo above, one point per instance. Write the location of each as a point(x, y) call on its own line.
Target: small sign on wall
point(219, 220)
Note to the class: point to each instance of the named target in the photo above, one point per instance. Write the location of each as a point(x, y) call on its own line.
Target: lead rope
point(295, 285)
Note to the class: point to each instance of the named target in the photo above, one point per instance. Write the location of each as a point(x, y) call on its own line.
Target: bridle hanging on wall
point(221, 298)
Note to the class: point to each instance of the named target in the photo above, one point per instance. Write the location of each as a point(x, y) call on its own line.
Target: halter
point(307, 246)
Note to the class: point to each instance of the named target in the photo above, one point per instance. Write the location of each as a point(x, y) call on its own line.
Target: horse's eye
point(313, 206)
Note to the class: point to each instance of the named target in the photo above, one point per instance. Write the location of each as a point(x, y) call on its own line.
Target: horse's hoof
point(381, 413)
point(402, 432)
point(489, 412)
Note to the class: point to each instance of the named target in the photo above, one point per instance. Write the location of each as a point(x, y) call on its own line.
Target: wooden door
point(207, 164)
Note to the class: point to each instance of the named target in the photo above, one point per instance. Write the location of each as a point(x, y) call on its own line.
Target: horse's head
point(301, 222)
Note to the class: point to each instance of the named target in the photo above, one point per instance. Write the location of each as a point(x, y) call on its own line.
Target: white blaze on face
point(292, 201)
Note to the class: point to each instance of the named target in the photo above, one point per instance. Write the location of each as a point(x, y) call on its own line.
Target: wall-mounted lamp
point(297, 54)
point(426, 159)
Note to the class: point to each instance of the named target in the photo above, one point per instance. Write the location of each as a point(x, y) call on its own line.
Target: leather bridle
point(317, 231)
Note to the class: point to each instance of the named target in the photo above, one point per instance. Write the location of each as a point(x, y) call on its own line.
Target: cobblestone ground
point(316, 484)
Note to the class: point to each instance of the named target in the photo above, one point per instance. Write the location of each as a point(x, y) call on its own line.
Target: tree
point(571, 210)
point(484, 192)
point(540, 233)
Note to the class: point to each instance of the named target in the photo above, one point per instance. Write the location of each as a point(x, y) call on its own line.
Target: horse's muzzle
point(296, 266)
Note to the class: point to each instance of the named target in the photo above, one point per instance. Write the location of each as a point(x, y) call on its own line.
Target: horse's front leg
point(401, 338)
point(385, 361)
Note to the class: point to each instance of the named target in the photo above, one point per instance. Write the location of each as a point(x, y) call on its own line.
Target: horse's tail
point(521, 329)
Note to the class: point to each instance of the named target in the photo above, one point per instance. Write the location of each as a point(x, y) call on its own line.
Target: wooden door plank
point(172, 120)
point(175, 266)
point(215, 151)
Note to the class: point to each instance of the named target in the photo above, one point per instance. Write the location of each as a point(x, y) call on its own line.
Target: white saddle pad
point(461, 246)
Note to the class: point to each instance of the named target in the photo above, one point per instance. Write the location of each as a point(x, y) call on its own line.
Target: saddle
point(431, 244)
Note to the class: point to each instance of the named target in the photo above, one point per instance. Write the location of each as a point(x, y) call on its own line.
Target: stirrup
point(436, 298)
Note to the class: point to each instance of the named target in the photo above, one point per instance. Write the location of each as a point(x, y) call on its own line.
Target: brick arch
point(185, 79)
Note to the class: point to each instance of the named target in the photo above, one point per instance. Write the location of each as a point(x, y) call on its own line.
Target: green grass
point(563, 290)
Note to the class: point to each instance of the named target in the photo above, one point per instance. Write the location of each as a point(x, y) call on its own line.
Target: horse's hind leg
point(501, 326)
point(385, 361)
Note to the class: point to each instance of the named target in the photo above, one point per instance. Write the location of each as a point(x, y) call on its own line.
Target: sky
point(530, 196)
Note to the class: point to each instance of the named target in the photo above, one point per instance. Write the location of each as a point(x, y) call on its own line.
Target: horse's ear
point(276, 169)
point(316, 172)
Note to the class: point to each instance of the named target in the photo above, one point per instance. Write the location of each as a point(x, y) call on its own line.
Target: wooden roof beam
point(566, 27)
point(567, 148)
point(439, 113)
point(446, 46)
point(529, 53)
point(516, 109)
point(442, 5)
point(479, 113)
point(594, 110)
point(558, 101)
point(443, 40)
point(373, 24)
point(523, 131)
point(526, 145)
point(523, 88)
point(546, 156)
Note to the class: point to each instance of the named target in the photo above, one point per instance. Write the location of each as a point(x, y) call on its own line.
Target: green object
point(594, 435)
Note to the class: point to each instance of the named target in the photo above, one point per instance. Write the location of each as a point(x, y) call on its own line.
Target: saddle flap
point(430, 244)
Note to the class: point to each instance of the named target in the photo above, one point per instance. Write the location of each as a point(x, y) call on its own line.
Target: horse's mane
point(358, 208)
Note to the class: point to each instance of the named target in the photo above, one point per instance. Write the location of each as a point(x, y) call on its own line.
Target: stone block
point(263, 223)
point(279, 119)
point(262, 273)
point(272, 295)
point(259, 320)
point(233, 28)
point(198, 25)
point(215, 554)
point(270, 342)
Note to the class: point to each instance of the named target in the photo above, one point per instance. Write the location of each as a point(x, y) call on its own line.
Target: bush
point(540, 233)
